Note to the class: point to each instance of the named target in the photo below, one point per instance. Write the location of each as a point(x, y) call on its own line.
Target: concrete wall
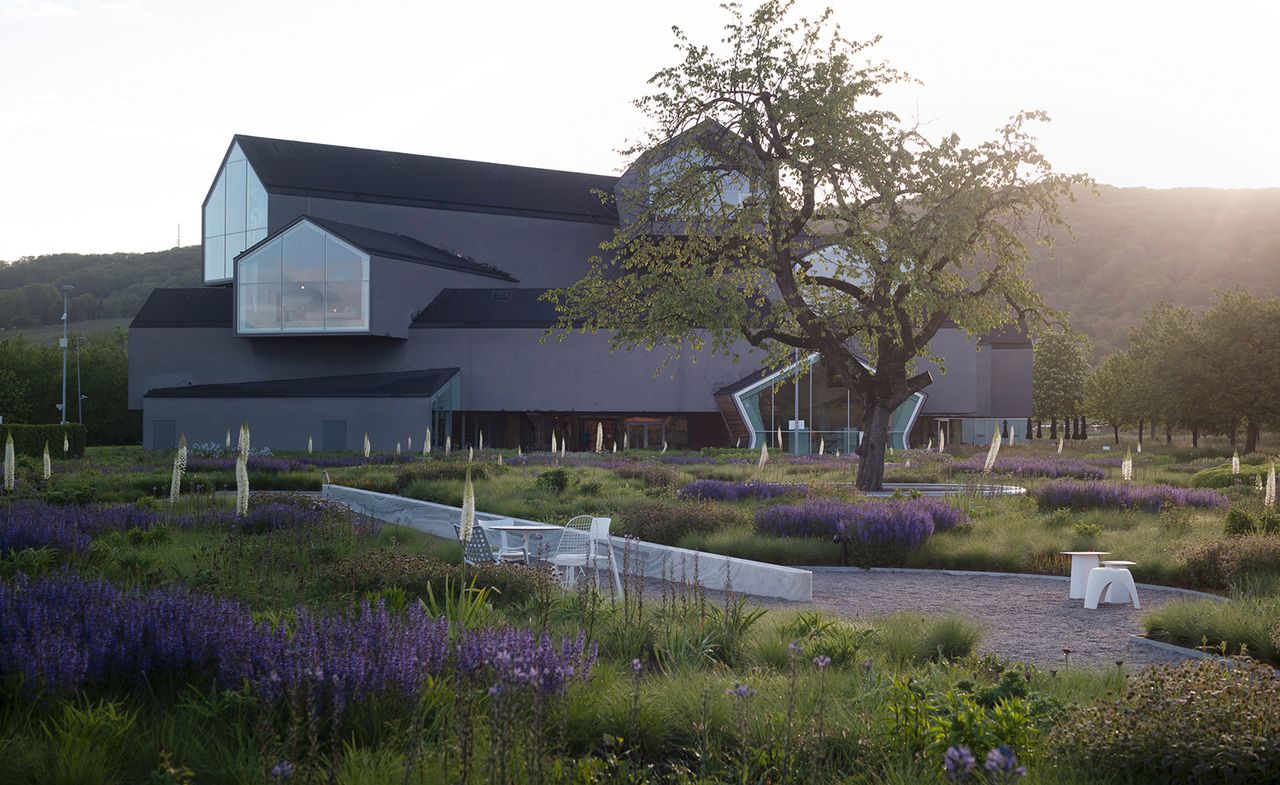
point(285, 423)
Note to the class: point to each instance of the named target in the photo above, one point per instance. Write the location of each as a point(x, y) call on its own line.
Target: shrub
point(1025, 466)
point(1239, 523)
point(1199, 722)
point(1077, 495)
point(725, 491)
point(651, 474)
point(376, 571)
point(1243, 625)
point(30, 439)
point(445, 470)
point(1221, 476)
point(554, 480)
point(665, 522)
point(1223, 564)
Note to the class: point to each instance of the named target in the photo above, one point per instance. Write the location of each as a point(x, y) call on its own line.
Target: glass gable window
point(690, 178)
point(235, 216)
point(304, 281)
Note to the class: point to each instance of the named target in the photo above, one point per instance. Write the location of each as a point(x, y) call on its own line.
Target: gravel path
point(1024, 618)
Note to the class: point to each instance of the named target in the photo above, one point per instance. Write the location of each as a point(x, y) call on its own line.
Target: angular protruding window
point(304, 281)
point(691, 179)
point(235, 217)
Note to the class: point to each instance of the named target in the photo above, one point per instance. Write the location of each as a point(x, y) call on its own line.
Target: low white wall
point(650, 559)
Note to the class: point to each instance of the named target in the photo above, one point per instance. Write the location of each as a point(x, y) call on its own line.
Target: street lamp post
point(66, 294)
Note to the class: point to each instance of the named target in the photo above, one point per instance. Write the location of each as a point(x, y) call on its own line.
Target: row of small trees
point(1209, 372)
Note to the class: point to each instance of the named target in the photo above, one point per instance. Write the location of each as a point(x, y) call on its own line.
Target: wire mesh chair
point(506, 551)
point(476, 550)
point(585, 544)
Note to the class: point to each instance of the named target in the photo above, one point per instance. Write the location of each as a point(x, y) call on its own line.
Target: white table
point(1081, 563)
point(526, 531)
point(1116, 592)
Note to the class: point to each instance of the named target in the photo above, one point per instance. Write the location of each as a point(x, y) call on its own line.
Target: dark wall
point(539, 252)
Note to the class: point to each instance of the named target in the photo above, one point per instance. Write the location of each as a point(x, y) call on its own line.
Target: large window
point(691, 181)
point(235, 216)
point(305, 280)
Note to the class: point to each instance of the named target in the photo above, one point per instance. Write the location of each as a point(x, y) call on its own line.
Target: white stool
point(1081, 563)
point(1101, 578)
point(1116, 592)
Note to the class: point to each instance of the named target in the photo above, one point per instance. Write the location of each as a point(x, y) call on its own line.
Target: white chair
point(585, 543)
point(1100, 578)
point(506, 551)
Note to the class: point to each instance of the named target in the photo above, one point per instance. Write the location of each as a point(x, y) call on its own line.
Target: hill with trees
point(1131, 248)
point(106, 285)
point(1134, 247)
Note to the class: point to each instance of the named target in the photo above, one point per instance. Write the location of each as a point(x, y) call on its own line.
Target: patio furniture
point(476, 550)
point(525, 531)
point(506, 551)
point(1116, 592)
point(585, 543)
point(1100, 578)
point(1081, 563)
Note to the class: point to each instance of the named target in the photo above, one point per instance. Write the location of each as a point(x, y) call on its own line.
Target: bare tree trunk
point(1053, 428)
point(1195, 436)
point(1153, 427)
point(1168, 434)
point(1251, 436)
point(1116, 429)
point(1039, 429)
point(871, 452)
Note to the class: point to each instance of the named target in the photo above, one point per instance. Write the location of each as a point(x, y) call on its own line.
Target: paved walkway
point(1024, 618)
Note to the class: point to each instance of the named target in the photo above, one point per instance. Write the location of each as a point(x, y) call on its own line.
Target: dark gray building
point(352, 292)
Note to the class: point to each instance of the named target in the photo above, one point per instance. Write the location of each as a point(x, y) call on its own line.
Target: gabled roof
point(208, 306)
point(392, 246)
point(488, 308)
point(330, 171)
point(403, 384)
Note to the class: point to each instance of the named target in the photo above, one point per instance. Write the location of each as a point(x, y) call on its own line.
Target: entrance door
point(163, 435)
point(333, 435)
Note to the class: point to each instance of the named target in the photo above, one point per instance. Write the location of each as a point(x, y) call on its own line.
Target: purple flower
point(725, 491)
point(741, 691)
point(958, 763)
point(821, 661)
point(888, 523)
point(636, 666)
point(1075, 495)
point(1027, 466)
point(1003, 764)
point(281, 771)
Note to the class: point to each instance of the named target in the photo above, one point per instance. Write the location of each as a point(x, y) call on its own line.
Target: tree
point(1107, 393)
point(1059, 368)
point(1239, 362)
point(773, 202)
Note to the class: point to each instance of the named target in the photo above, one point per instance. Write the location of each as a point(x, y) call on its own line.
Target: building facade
point(353, 292)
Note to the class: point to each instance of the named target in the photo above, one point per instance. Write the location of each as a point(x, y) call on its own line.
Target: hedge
point(1221, 476)
point(30, 439)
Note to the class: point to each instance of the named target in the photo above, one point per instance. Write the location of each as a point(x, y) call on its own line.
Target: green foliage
point(1242, 625)
point(1201, 722)
point(106, 284)
point(426, 577)
point(31, 439)
point(466, 605)
point(1059, 369)
point(667, 521)
point(31, 385)
point(1231, 563)
point(86, 745)
point(553, 480)
point(915, 638)
point(1239, 523)
point(1109, 392)
point(653, 475)
point(435, 470)
point(1221, 476)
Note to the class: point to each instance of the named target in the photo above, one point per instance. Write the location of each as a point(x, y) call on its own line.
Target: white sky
point(114, 115)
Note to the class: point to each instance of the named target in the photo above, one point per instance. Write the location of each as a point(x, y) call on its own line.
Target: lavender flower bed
point(33, 524)
point(64, 633)
point(1033, 467)
point(893, 522)
point(728, 491)
point(1075, 495)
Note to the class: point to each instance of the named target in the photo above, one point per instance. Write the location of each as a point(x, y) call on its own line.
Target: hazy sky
point(114, 115)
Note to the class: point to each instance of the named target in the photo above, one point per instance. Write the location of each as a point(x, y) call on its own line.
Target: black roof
point(488, 308)
point(393, 246)
point(207, 306)
point(404, 384)
point(1011, 336)
point(330, 171)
